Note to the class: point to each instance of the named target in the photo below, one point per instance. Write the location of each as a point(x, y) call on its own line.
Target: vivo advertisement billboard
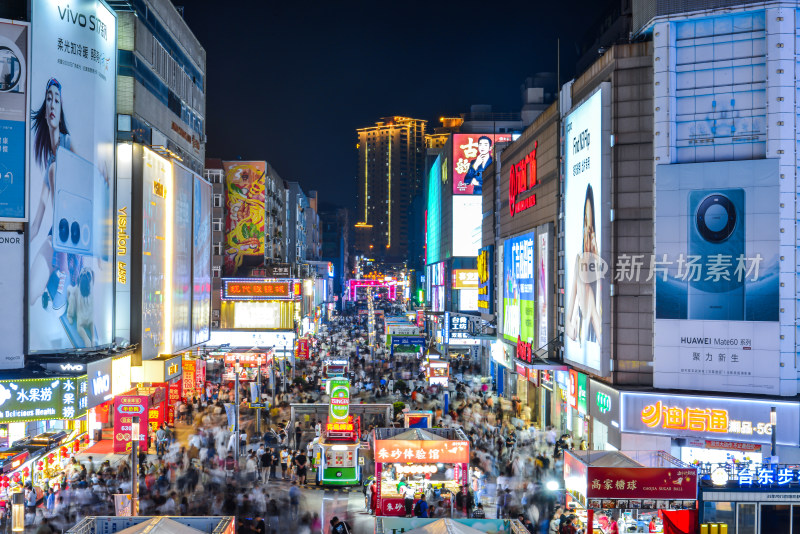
point(716, 271)
point(13, 119)
point(71, 170)
point(584, 214)
point(519, 283)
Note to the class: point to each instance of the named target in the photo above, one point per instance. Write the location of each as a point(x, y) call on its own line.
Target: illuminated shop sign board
point(238, 289)
point(246, 359)
point(465, 279)
point(434, 451)
point(717, 418)
point(747, 475)
point(485, 266)
point(523, 178)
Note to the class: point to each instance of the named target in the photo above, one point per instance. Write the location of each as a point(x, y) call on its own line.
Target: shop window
point(718, 512)
point(746, 518)
point(775, 518)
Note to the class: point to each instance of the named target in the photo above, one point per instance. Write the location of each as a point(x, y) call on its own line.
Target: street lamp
point(773, 421)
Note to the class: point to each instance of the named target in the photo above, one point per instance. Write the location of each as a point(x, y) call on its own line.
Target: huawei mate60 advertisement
point(716, 272)
point(583, 231)
point(519, 288)
point(71, 170)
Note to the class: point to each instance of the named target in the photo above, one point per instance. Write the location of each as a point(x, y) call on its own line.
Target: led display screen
point(472, 154)
point(583, 226)
point(519, 288)
point(244, 226)
point(73, 75)
point(716, 270)
point(201, 261)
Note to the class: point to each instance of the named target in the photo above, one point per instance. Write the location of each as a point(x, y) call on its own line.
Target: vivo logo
point(71, 367)
point(101, 384)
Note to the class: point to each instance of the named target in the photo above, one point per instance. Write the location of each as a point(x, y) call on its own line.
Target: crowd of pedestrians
point(192, 469)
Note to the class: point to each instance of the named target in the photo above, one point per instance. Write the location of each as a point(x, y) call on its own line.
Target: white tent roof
point(160, 525)
point(445, 526)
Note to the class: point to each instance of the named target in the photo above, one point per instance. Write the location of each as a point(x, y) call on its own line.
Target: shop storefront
point(604, 409)
point(166, 372)
point(637, 491)
point(433, 461)
point(750, 498)
point(698, 430)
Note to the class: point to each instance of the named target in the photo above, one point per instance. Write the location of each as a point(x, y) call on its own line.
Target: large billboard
point(716, 270)
point(244, 225)
point(543, 291)
point(13, 119)
point(201, 261)
point(433, 213)
point(472, 154)
point(71, 172)
point(183, 181)
point(467, 218)
point(519, 286)
point(584, 234)
point(157, 186)
point(12, 287)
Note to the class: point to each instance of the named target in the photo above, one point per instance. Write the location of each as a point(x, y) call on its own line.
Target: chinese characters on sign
point(659, 415)
point(465, 278)
point(259, 290)
point(523, 178)
point(642, 482)
point(388, 451)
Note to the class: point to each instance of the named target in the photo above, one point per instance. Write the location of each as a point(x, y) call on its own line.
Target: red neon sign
point(524, 350)
point(258, 290)
point(523, 177)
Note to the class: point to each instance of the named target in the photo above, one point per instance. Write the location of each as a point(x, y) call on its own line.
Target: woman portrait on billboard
point(62, 278)
point(584, 310)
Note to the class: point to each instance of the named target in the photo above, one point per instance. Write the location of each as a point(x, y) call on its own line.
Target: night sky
point(289, 82)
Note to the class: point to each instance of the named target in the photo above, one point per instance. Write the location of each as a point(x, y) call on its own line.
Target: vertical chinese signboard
point(188, 378)
point(126, 407)
point(302, 349)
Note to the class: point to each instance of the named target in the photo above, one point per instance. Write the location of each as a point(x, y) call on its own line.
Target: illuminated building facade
point(391, 161)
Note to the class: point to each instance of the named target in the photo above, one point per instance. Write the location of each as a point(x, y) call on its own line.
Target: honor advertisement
point(586, 234)
point(13, 119)
point(716, 272)
point(71, 172)
point(472, 154)
point(519, 287)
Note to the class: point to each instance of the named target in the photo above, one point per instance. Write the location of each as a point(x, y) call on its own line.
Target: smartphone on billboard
point(80, 207)
point(716, 234)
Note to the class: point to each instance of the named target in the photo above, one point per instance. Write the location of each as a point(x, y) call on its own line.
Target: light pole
point(135, 465)
point(17, 512)
point(236, 407)
point(773, 421)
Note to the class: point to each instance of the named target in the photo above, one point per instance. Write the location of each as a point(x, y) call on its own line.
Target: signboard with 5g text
point(710, 417)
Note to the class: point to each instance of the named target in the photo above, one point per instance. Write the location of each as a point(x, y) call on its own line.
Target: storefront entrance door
point(777, 518)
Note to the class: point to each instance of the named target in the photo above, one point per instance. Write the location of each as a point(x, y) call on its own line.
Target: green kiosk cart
point(338, 446)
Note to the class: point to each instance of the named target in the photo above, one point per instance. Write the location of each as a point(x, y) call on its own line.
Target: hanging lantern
point(26, 471)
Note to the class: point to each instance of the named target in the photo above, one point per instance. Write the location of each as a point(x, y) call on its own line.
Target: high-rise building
point(391, 162)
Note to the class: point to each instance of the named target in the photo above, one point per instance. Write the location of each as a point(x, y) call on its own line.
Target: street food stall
point(337, 449)
point(637, 490)
point(418, 419)
point(433, 461)
point(437, 372)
